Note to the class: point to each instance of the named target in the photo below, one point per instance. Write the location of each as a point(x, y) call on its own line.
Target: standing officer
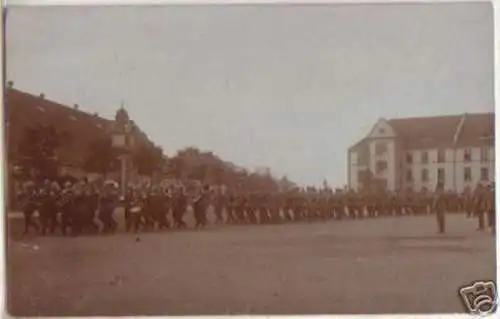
point(439, 206)
point(479, 205)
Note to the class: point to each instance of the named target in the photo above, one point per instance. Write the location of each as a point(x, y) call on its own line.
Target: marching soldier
point(220, 204)
point(180, 202)
point(48, 207)
point(29, 200)
point(107, 204)
point(66, 207)
point(200, 205)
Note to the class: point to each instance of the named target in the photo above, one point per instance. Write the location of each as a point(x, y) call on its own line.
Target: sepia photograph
point(249, 159)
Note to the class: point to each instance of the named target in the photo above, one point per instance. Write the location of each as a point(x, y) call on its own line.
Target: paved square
point(385, 265)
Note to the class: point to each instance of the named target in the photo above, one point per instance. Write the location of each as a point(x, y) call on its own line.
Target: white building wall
point(353, 170)
point(432, 167)
point(475, 164)
point(391, 165)
point(449, 169)
point(390, 157)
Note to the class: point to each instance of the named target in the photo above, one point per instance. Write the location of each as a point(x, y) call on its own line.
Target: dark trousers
point(218, 214)
point(48, 219)
point(286, 214)
point(491, 218)
point(200, 216)
point(440, 216)
point(109, 223)
point(480, 219)
point(230, 215)
point(65, 220)
point(28, 220)
point(178, 213)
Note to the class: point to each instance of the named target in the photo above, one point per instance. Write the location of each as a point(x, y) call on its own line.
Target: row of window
point(424, 174)
point(467, 157)
point(381, 148)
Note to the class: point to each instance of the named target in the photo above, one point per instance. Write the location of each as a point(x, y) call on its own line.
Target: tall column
point(123, 179)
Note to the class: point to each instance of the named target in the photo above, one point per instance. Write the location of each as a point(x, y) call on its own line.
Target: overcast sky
point(289, 87)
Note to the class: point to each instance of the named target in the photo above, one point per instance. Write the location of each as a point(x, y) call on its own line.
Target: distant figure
point(490, 207)
point(28, 198)
point(439, 207)
point(479, 205)
point(200, 207)
point(179, 207)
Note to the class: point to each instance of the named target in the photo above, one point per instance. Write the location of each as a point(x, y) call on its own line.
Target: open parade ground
point(383, 265)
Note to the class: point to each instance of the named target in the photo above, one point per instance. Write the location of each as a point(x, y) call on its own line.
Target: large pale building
point(417, 153)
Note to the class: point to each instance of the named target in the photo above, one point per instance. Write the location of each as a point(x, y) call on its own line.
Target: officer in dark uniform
point(479, 205)
point(439, 206)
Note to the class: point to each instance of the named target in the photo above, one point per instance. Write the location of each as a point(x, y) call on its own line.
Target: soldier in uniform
point(200, 204)
point(48, 208)
point(491, 208)
point(439, 207)
point(220, 203)
point(479, 205)
point(338, 206)
point(288, 206)
point(298, 206)
point(275, 207)
point(91, 199)
point(230, 209)
point(29, 200)
point(240, 205)
point(66, 206)
point(251, 205)
point(107, 204)
point(179, 207)
point(126, 201)
point(264, 206)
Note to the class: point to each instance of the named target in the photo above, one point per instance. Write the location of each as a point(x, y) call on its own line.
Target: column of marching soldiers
point(85, 207)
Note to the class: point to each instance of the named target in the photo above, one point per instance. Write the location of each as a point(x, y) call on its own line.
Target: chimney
point(75, 106)
point(10, 84)
point(42, 96)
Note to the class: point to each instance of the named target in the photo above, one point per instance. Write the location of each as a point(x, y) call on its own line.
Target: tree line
point(36, 157)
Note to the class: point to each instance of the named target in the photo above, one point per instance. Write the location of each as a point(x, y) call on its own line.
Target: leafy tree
point(148, 159)
point(38, 147)
point(102, 157)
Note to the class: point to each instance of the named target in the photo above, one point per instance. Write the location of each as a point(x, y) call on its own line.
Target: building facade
point(418, 153)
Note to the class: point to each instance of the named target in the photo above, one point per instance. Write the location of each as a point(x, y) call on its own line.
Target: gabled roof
point(478, 130)
point(426, 132)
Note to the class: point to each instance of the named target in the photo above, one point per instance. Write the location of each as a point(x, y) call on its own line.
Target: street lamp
point(122, 141)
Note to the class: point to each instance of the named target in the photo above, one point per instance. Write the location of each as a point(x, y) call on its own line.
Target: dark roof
point(477, 130)
point(426, 132)
point(24, 110)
